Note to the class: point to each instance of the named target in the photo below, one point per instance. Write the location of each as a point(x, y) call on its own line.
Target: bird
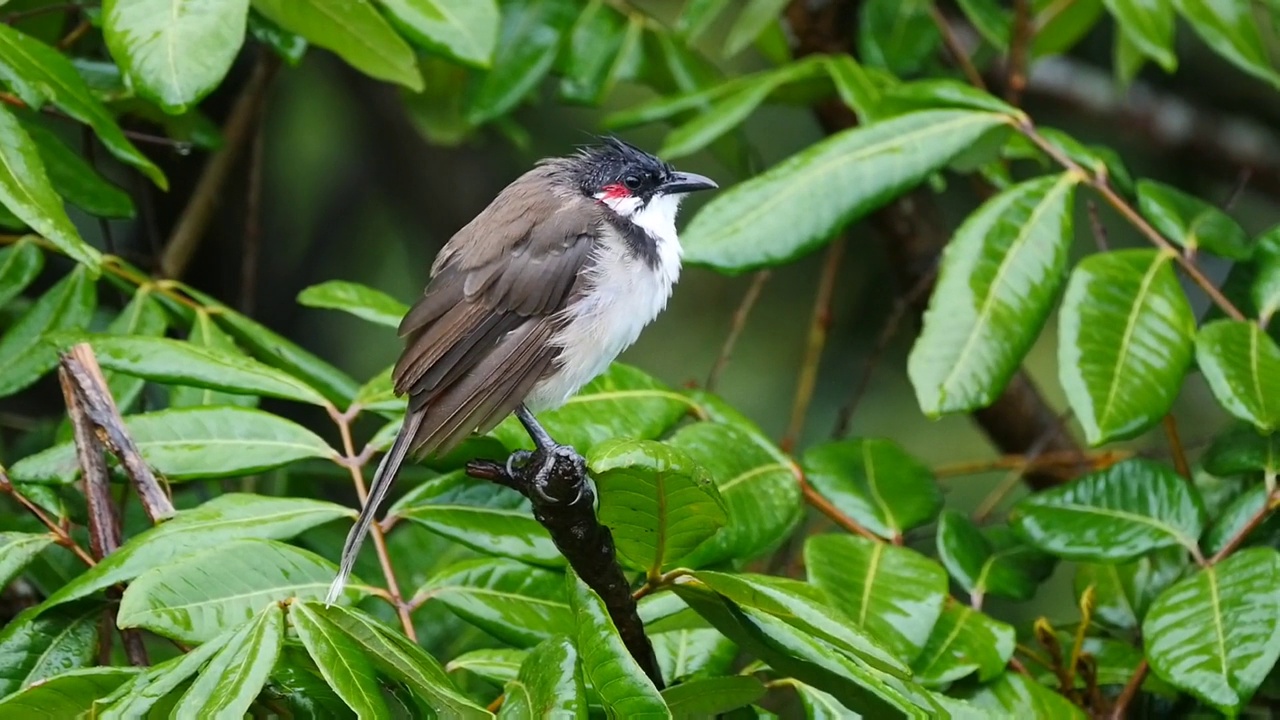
point(528, 302)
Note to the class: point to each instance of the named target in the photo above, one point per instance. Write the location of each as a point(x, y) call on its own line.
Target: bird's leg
point(548, 452)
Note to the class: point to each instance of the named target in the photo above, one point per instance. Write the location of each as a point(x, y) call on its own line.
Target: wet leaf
point(20, 264)
point(875, 482)
point(1242, 366)
point(963, 642)
point(990, 560)
point(1191, 222)
point(548, 685)
point(625, 691)
point(511, 601)
point(35, 647)
point(69, 695)
point(340, 660)
point(234, 676)
point(24, 354)
point(464, 30)
point(359, 300)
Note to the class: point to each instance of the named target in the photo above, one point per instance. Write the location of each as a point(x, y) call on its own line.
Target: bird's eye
point(632, 182)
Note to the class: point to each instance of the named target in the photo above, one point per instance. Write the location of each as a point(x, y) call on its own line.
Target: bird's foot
point(544, 462)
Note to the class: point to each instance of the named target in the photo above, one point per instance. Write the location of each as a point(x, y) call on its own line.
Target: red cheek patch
point(613, 192)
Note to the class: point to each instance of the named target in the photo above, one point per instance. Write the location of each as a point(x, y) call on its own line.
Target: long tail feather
point(382, 479)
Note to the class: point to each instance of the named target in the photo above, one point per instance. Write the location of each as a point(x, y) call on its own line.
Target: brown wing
point(478, 340)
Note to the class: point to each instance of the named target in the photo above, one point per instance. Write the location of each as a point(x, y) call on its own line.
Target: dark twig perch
point(569, 515)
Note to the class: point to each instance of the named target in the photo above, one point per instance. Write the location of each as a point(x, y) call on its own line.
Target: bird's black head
point(616, 169)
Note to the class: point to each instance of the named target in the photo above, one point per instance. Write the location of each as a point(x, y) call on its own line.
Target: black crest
point(618, 162)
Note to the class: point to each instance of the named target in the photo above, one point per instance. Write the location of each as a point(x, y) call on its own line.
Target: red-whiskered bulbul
point(530, 301)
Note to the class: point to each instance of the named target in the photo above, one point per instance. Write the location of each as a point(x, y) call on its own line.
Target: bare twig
point(60, 534)
point(71, 38)
point(1067, 463)
point(1175, 446)
point(819, 324)
point(104, 521)
point(1099, 232)
point(735, 327)
point(832, 512)
point(1100, 184)
point(958, 52)
point(844, 418)
point(1243, 534)
point(236, 132)
point(1130, 691)
point(1038, 446)
point(343, 421)
point(1019, 50)
point(15, 101)
point(93, 395)
point(1242, 182)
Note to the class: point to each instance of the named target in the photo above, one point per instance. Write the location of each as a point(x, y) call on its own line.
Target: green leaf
point(174, 362)
point(379, 395)
point(144, 316)
point(299, 684)
point(484, 516)
point(625, 691)
point(17, 550)
point(692, 653)
point(1242, 450)
point(289, 46)
point(276, 351)
point(529, 39)
point(757, 483)
point(1242, 366)
point(731, 109)
point(340, 660)
point(191, 443)
point(875, 482)
point(497, 665)
point(990, 561)
point(709, 697)
point(1018, 696)
point(548, 685)
point(1148, 24)
point(362, 301)
point(1214, 633)
point(225, 518)
point(963, 642)
point(38, 74)
point(353, 30)
point(622, 402)
point(233, 678)
point(200, 596)
point(205, 333)
point(1122, 593)
point(24, 355)
point(20, 264)
point(936, 94)
point(140, 694)
point(897, 35)
point(35, 647)
point(1059, 26)
point(1191, 222)
point(464, 30)
point(757, 224)
point(991, 19)
point(855, 86)
point(515, 603)
point(697, 16)
point(805, 607)
point(25, 190)
point(999, 278)
point(658, 503)
point(76, 180)
point(1125, 341)
point(1235, 518)
point(175, 52)
point(604, 48)
point(1113, 515)
point(791, 652)
point(893, 593)
point(1265, 286)
point(401, 659)
point(1230, 29)
point(68, 695)
point(756, 15)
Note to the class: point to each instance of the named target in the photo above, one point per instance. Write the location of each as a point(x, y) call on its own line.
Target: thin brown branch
point(1037, 447)
point(15, 101)
point(1175, 446)
point(844, 418)
point(819, 324)
point(1130, 691)
point(1067, 463)
point(1100, 184)
point(832, 512)
point(104, 521)
point(343, 421)
point(94, 396)
point(736, 326)
point(1023, 33)
point(1238, 539)
point(60, 534)
point(957, 50)
point(78, 32)
point(236, 133)
point(1095, 223)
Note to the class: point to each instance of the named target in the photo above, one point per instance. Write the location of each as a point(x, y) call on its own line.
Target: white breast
point(623, 296)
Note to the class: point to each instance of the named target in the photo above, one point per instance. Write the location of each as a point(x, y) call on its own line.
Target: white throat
point(624, 294)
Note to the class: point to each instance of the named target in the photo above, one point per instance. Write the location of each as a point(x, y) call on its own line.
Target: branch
point(92, 395)
point(735, 327)
point(565, 506)
point(1100, 184)
point(237, 132)
point(1238, 539)
point(352, 461)
point(1130, 691)
point(819, 323)
point(1019, 50)
point(957, 50)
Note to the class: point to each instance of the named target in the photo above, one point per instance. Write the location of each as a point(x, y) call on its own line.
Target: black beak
point(683, 182)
